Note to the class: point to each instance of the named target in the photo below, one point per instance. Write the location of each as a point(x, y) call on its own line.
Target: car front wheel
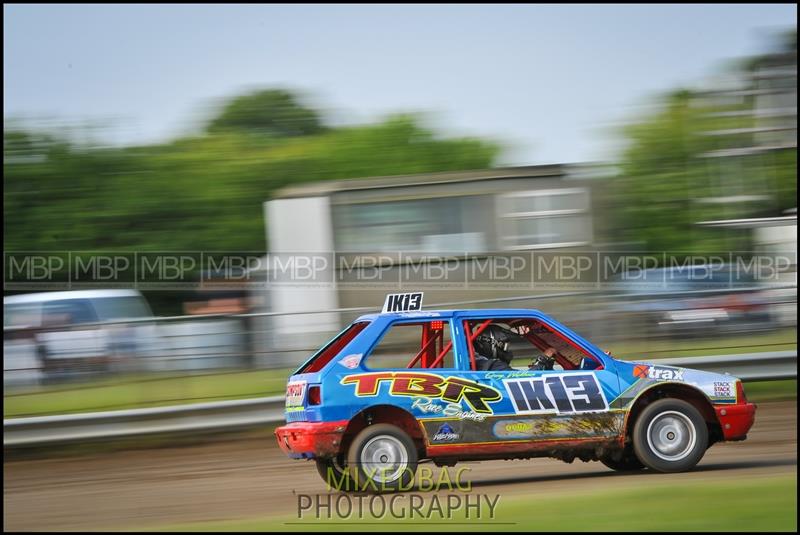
point(670, 435)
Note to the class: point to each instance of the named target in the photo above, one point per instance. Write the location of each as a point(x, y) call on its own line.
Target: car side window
point(417, 345)
point(528, 343)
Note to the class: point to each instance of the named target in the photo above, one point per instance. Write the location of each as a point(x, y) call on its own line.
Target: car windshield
point(22, 315)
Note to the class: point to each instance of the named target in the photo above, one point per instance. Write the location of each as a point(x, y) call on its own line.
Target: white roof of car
point(42, 297)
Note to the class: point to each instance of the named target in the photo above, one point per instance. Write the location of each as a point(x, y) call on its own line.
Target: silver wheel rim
point(384, 458)
point(671, 436)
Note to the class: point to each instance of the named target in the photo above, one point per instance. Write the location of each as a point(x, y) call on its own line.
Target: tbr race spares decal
point(426, 385)
point(454, 410)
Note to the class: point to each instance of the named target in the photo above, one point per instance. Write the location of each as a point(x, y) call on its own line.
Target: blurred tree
point(272, 111)
point(660, 176)
point(203, 192)
point(704, 157)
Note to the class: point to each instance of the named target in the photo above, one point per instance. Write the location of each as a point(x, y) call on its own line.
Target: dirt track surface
point(253, 478)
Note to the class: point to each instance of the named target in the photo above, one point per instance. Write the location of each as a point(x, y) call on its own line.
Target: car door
point(543, 406)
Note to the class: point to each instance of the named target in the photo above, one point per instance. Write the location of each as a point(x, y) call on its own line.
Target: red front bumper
point(736, 420)
point(305, 440)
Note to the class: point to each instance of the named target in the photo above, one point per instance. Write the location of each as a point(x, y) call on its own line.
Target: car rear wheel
point(382, 457)
point(670, 435)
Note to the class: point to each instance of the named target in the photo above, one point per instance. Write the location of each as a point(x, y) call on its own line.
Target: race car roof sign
point(403, 302)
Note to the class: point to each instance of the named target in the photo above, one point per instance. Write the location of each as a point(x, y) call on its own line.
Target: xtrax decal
point(557, 393)
point(643, 371)
point(645, 376)
point(451, 389)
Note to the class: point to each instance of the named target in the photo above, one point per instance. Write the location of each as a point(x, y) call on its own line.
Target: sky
point(552, 83)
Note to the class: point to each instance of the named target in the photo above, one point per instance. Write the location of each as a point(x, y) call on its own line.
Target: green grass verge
point(144, 391)
point(696, 347)
point(126, 392)
point(147, 391)
point(761, 391)
point(152, 392)
point(767, 503)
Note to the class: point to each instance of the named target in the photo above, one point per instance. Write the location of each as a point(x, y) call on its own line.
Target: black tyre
point(625, 461)
point(382, 457)
point(335, 474)
point(670, 435)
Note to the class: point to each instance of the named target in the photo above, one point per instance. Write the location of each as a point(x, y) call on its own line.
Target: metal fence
point(247, 413)
point(651, 325)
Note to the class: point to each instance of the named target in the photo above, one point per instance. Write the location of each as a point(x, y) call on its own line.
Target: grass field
point(154, 390)
point(771, 390)
point(697, 347)
point(753, 504)
point(144, 391)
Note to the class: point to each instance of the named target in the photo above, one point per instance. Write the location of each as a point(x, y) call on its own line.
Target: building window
point(438, 225)
point(544, 219)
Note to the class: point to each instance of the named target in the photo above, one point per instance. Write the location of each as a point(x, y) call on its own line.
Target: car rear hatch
point(303, 398)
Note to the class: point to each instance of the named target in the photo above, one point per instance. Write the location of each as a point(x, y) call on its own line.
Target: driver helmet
point(493, 343)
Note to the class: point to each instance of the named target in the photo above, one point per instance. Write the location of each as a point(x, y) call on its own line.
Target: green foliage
point(271, 112)
point(667, 183)
point(204, 192)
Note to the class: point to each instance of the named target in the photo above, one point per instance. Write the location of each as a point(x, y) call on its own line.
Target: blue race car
point(406, 385)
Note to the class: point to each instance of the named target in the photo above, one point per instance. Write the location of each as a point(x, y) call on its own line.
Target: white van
point(73, 307)
point(44, 338)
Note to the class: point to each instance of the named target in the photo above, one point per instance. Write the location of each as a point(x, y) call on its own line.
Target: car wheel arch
point(696, 397)
point(385, 414)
